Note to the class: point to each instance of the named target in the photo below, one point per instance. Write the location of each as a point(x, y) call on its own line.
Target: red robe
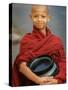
point(36, 44)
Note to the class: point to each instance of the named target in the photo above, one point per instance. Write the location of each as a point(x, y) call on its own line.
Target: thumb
point(50, 76)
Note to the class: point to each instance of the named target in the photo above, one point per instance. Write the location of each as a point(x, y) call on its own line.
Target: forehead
point(39, 8)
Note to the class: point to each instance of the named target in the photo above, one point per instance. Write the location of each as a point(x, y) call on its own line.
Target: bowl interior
point(41, 65)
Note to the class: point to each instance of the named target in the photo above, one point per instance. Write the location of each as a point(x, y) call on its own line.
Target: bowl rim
point(37, 61)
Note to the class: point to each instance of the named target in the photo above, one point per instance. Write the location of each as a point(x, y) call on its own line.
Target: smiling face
point(39, 16)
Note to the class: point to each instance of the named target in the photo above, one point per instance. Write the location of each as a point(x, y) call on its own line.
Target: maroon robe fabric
point(36, 44)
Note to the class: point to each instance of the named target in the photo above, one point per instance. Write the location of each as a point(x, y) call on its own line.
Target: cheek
point(34, 20)
point(45, 20)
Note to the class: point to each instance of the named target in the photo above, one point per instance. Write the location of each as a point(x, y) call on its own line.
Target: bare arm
point(31, 76)
point(28, 73)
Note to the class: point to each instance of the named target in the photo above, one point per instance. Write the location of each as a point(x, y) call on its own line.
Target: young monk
point(40, 42)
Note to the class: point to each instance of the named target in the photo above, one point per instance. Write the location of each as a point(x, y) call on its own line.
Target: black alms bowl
point(43, 65)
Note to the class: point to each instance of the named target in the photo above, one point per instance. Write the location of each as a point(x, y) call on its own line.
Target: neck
point(43, 31)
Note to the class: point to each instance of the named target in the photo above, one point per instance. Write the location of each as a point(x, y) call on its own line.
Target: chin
point(40, 28)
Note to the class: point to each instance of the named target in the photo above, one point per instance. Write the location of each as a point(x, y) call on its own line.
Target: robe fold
point(36, 44)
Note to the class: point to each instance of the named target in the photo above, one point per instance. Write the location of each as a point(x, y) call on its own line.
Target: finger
point(49, 83)
point(49, 79)
point(50, 76)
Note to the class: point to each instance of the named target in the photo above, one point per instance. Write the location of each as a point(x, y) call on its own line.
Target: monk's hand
point(52, 81)
point(44, 80)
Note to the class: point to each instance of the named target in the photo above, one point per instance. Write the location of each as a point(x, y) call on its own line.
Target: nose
point(39, 18)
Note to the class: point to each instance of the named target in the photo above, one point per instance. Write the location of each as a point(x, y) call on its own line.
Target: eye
point(36, 16)
point(43, 16)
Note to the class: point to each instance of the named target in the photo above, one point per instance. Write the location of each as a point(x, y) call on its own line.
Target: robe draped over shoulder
point(36, 44)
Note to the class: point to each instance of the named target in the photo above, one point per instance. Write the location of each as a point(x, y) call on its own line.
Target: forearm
point(33, 77)
point(28, 73)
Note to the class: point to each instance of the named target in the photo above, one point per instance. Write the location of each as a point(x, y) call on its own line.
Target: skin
point(40, 18)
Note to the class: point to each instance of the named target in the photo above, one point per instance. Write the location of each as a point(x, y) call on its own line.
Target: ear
point(30, 16)
point(49, 18)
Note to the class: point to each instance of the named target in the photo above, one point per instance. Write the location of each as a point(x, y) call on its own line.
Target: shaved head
point(39, 16)
point(39, 8)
